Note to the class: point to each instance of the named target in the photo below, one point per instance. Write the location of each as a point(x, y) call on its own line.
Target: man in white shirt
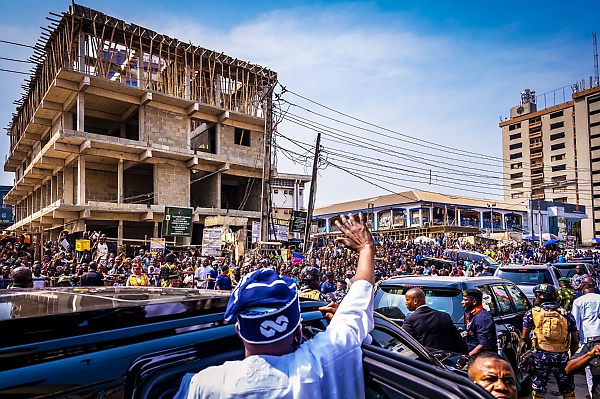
point(277, 364)
point(586, 311)
point(201, 272)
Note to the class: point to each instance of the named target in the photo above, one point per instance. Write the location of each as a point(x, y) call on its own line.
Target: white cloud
point(445, 88)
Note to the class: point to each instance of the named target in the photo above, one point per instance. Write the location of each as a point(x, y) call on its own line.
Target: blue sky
point(441, 72)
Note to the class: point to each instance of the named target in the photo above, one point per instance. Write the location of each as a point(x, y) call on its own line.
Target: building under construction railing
point(89, 42)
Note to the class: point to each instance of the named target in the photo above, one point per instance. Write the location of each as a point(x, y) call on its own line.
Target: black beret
point(472, 293)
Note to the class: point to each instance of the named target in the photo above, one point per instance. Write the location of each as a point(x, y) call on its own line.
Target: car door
point(508, 336)
point(390, 375)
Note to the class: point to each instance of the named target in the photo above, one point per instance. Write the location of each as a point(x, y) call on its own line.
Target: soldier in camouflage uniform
point(310, 278)
point(554, 332)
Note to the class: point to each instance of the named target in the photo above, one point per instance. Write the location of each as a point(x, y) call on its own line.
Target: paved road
point(580, 388)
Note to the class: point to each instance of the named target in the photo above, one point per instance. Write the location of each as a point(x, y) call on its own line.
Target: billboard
point(178, 222)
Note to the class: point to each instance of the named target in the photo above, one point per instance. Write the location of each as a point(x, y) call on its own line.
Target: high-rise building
point(553, 154)
point(119, 122)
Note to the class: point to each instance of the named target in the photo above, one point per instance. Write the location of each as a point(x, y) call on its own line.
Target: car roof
point(532, 267)
point(439, 280)
point(569, 264)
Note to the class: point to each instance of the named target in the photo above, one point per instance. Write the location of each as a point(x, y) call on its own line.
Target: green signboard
point(178, 222)
point(298, 224)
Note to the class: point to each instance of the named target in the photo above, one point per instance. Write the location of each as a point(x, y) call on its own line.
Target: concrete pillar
point(457, 216)
point(218, 189)
point(140, 72)
point(218, 132)
point(155, 232)
point(81, 52)
point(142, 122)
point(187, 80)
point(375, 220)
point(123, 130)
point(218, 90)
point(120, 181)
point(421, 217)
point(80, 112)
point(328, 225)
point(481, 213)
point(81, 180)
point(120, 233)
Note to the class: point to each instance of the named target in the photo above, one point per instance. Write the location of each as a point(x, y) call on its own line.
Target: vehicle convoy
point(134, 342)
point(504, 300)
point(526, 277)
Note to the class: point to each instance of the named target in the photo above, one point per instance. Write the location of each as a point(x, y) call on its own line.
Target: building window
point(562, 199)
point(558, 157)
point(516, 175)
point(517, 195)
point(517, 165)
point(559, 167)
point(515, 136)
point(515, 146)
point(516, 155)
point(557, 125)
point(556, 114)
point(558, 146)
point(242, 137)
point(276, 211)
point(300, 192)
point(557, 136)
point(514, 126)
point(559, 190)
point(516, 185)
point(276, 191)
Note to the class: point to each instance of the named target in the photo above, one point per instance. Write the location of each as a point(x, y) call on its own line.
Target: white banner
point(211, 242)
point(255, 232)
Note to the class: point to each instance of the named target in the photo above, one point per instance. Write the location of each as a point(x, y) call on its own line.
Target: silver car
point(526, 277)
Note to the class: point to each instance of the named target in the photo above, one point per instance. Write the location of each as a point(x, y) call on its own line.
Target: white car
point(526, 277)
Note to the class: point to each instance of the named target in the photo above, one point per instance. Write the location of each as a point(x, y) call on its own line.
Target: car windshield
point(391, 302)
point(526, 276)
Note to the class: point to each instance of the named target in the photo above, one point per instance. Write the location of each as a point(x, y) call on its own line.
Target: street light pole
point(491, 207)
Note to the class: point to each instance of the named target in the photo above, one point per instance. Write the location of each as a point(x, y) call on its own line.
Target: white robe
point(327, 366)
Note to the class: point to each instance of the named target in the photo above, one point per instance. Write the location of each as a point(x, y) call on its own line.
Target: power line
point(370, 172)
point(11, 71)
point(321, 128)
point(420, 141)
point(17, 44)
point(15, 60)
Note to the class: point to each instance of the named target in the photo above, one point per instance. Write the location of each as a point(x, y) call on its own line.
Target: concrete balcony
point(538, 144)
point(538, 155)
point(535, 135)
point(533, 125)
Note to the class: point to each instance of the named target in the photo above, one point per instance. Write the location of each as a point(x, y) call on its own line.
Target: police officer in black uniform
point(480, 333)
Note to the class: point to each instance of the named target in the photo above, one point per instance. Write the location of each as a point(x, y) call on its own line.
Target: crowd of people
point(329, 272)
point(61, 265)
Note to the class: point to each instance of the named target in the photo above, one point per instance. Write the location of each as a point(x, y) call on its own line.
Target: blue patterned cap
point(265, 305)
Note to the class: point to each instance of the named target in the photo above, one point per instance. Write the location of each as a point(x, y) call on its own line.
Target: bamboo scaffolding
point(182, 70)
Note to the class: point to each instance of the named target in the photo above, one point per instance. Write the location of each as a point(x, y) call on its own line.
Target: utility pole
point(531, 214)
point(313, 190)
point(540, 221)
point(266, 172)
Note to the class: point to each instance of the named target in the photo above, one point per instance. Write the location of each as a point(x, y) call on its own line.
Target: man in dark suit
point(92, 278)
point(432, 328)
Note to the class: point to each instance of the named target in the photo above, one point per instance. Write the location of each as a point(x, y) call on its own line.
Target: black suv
point(503, 299)
point(136, 342)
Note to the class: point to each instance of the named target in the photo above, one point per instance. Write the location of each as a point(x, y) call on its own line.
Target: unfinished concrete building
point(118, 122)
